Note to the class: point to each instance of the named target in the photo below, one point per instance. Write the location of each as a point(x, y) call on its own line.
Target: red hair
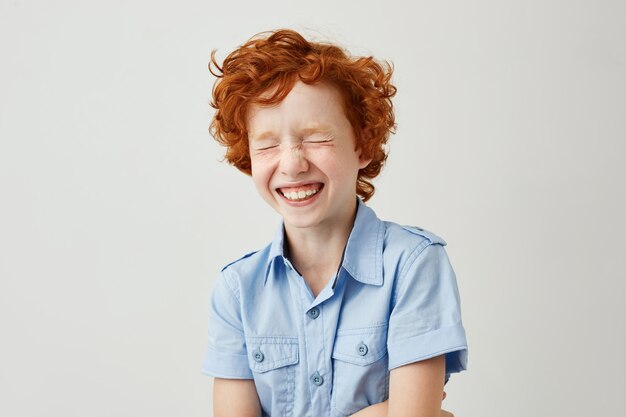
point(275, 63)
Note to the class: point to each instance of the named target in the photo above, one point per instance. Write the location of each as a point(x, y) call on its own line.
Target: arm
point(235, 398)
point(415, 390)
point(426, 318)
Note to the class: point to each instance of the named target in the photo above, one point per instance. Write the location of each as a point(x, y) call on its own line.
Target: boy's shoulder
point(404, 233)
point(250, 264)
point(247, 260)
point(241, 258)
point(403, 244)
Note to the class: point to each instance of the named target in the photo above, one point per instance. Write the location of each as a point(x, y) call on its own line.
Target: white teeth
point(299, 195)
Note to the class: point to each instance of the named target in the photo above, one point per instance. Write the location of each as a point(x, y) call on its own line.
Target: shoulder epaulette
point(237, 260)
point(425, 233)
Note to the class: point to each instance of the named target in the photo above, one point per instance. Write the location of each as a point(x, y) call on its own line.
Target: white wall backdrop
point(116, 214)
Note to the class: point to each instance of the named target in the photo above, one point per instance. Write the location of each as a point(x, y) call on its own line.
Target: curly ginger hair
point(274, 62)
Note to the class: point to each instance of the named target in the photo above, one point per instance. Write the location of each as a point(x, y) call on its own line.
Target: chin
point(303, 219)
point(299, 222)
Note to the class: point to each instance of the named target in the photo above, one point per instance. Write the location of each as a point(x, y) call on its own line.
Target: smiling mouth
point(301, 193)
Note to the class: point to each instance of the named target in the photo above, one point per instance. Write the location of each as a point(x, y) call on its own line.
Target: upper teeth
point(298, 195)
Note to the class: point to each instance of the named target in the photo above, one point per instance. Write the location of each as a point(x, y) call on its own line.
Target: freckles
point(262, 168)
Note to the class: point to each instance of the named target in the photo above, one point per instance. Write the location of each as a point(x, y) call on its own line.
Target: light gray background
point(116, 215)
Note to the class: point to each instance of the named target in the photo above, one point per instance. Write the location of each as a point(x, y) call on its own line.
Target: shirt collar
point(363, 257)
point(277, 249)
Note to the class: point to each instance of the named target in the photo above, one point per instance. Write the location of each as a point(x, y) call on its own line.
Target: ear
point(365, 137)
point(363, 162)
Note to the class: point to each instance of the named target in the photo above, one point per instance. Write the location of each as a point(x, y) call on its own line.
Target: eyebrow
point(316, 129)
point(260, 136)
point(304, 132)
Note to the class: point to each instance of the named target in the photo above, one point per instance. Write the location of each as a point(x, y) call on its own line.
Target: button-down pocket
point(273, 361)
point(360, 374)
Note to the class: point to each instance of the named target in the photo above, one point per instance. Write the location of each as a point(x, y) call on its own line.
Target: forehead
point(320, 103)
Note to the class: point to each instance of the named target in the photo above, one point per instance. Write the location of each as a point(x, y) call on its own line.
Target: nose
point(293, 161)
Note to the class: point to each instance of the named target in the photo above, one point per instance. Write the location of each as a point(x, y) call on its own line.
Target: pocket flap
point(271, 352)
point(361, 346)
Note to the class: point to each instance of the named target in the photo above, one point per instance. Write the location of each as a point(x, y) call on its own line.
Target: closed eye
point(315, 135)
point(317, 140)
point(265, 148)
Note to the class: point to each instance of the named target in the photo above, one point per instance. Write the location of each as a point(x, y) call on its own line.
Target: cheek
point(261, 175)
point(340, 167)
point(341, 176)
point(258, 177)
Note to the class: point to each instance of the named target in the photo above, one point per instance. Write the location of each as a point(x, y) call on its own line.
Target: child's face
point(304, 161)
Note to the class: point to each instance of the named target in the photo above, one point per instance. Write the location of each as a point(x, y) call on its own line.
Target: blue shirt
point(394, 301)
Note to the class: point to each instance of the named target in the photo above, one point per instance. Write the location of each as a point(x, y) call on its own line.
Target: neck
point(316, 252)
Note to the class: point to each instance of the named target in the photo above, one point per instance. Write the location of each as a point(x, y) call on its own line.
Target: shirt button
point(258, 356)
point(317, 379)
point(314, 313)
point(361, 349)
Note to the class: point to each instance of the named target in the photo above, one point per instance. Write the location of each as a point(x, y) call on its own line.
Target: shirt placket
point(317, 373)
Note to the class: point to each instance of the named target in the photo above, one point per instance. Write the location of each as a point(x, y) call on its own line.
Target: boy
point(342, 314)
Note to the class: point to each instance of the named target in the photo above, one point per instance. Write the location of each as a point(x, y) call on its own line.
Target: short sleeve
point(226, 355)
point(426, 317)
